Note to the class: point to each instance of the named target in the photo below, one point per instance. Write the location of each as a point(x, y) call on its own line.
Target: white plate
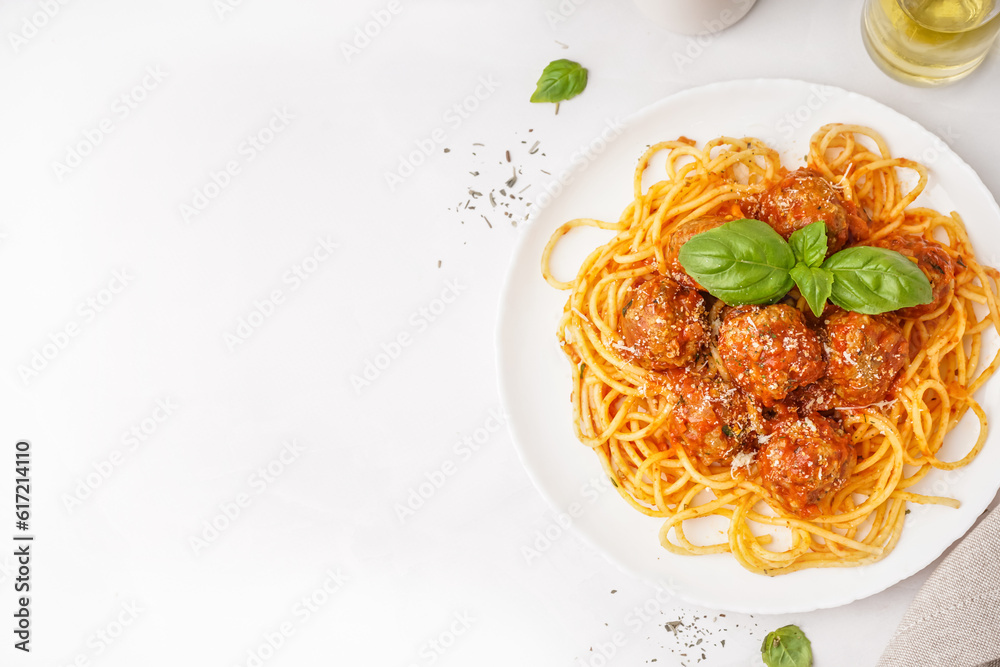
point(535, 375)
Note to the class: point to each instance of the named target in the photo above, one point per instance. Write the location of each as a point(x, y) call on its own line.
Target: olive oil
point(929, 42)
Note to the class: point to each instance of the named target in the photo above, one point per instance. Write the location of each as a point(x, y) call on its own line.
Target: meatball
point(859, 227)
point(663, 324)
point(804, 461)
point(802, 198)
point(816, 397)
point(864, 355)
point(679, 237)
point(770, 350)
point(934, 261)
point(710, 420)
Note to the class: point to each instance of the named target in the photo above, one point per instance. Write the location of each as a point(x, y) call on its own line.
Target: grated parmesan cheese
point(741, 460)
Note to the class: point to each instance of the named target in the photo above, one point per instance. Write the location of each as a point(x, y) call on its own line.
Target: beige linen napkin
point(955, 619)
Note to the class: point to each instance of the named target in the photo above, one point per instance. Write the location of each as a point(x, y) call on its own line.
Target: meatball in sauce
point(804, 197)
point(681, 235)
point(865, 354)
point(664, 324)
point(769, 350)
point(804, 461)
point(935, 263)
point(710, 420)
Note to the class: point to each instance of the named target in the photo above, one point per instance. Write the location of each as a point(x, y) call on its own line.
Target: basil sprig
point(747, 262)
point(744, 261)
point(874, 280)
point(787, 647)
point(815, 283)
point(560, 80)
point(809, 244)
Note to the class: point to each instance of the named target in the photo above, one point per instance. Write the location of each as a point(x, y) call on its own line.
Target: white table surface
point(181, 352)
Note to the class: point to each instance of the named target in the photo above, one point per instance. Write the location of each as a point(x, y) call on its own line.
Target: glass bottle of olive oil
point(929, 42)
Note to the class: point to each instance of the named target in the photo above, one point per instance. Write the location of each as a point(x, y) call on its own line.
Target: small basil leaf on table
point(560, 80)
point(876, 280)
point(740, 262)
point(787, 647)
point(815, 284)
point(809, 244)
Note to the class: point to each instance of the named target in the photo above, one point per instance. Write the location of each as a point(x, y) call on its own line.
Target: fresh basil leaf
point(787, 647)
point(876, 280)
point(809, 244)
point(740, 262)
point(815, 284)
point(560, 80)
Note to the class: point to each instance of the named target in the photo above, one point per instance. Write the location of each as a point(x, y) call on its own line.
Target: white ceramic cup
point(694, 17)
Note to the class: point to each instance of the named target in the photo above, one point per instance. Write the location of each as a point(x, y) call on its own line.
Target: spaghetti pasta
point(626, 409)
